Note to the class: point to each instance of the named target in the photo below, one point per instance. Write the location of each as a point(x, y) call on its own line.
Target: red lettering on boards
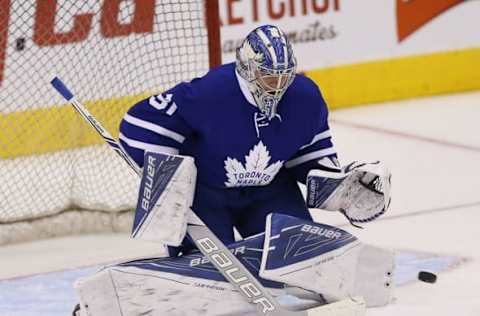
point(44, 33)
point(275, 9)
point(4, 17)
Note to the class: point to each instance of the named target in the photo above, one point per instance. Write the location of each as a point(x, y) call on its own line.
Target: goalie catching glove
point(361, 191)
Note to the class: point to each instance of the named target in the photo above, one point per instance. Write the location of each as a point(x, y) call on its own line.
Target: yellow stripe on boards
point(399, 78)
point(57, 128)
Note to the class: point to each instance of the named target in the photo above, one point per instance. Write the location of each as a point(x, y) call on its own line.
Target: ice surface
point(433, 149)
point(52, 293)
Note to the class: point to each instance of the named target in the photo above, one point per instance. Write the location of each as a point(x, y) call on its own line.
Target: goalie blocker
point(166, 195)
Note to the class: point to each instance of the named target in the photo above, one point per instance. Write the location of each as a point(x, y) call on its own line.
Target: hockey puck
point(427, 277)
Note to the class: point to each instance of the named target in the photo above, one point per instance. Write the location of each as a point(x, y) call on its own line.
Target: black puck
point(427, 277)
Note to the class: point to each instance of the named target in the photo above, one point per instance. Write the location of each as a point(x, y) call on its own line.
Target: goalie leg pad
point(188, 285)
point(325, 260)
point(374, 279)
point(316, 257)
point(132, 291)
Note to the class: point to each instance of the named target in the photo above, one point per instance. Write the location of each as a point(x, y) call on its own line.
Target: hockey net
point(56, 175)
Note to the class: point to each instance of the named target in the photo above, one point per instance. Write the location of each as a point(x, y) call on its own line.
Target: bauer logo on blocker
point(147, 191)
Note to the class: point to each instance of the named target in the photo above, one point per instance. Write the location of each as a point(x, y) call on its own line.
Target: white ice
point(433, 148)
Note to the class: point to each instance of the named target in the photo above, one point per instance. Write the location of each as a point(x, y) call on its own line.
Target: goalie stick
point(212, 248)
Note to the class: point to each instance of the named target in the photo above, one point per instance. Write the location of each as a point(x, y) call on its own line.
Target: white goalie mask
point(266, 61)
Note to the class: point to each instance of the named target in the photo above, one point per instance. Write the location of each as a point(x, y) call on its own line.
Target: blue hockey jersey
point(214, 119)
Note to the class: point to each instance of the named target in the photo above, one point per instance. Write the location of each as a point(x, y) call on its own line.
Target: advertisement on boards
point(326, 33)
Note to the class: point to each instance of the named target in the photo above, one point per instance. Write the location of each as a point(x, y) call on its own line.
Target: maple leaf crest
point(256, 171)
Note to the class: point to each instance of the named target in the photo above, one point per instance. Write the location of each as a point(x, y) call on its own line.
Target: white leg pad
point(129, 291)
point(374, 278)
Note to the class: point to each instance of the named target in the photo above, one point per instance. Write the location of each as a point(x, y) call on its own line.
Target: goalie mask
point(266, 61)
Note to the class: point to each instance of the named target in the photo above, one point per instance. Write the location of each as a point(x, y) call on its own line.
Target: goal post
point(56, 175)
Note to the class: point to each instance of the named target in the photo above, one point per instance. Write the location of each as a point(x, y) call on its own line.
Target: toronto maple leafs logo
point(256, 171)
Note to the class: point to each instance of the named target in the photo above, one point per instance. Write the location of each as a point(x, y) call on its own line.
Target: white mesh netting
point(111, 53)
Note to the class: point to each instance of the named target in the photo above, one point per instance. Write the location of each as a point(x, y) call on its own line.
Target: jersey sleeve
point(319, 148)
point(154, 125)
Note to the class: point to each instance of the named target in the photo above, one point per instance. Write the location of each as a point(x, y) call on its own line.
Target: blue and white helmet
point(266, 61)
